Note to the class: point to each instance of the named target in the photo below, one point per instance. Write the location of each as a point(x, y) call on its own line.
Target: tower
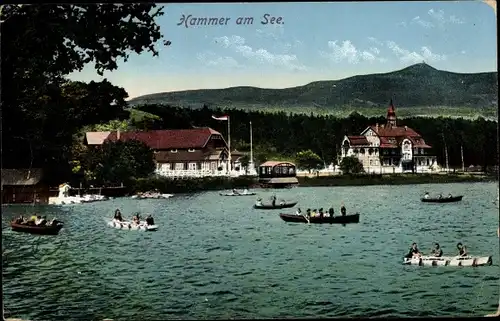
point(391, 115)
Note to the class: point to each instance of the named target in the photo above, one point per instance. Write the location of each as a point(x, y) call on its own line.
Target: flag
point(225, 117)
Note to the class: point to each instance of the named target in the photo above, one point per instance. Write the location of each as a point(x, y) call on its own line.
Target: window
point(370, 151)
point(371, 162)
point(192, 166)
point(179, 166)
point(173, 150)
point(362, 150)
point(355, 151)
point(191, 150)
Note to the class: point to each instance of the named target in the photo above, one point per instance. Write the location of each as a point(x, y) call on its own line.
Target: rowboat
point(237, 194)
point(352, 218)
point(152, 196)
point(276, 207)
point(443, 199)
point(35, 229)
point(132, 226)
point(449, 261)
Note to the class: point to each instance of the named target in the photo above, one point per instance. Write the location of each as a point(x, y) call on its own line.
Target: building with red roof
point(389, 148)
point(179, 152)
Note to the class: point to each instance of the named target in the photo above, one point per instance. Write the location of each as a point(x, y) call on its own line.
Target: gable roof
point(358, 140)
point(160, 139)
point(22, 176)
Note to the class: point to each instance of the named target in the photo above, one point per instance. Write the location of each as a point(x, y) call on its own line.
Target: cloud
point(375, 41)
point(422, 22)
point(348, 52)
point(238, 45)
point(455, 20)
point(407, 56)
point(272, 31)
point(437, 15)
point(211, 59)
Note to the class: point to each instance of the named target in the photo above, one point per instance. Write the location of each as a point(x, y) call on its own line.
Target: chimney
point(118, 134)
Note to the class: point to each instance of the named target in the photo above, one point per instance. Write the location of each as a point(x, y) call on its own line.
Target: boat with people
point(440, 199)
point(436, 258)
point(235, 192)
point(152, 195)
point(36, 225)
point(136, 225)
point(297, 218)
point(273, 206)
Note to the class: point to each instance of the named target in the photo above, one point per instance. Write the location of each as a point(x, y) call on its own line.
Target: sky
point(311, 42)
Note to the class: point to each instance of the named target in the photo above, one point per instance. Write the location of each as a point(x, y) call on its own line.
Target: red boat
point(35, 229)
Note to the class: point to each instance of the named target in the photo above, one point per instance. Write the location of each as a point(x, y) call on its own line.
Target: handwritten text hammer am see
point(190, 21)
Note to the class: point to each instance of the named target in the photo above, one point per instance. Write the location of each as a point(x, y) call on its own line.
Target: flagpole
point(251, 147)
point(229, 142)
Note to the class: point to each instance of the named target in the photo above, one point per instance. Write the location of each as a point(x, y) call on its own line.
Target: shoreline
point(193, 185)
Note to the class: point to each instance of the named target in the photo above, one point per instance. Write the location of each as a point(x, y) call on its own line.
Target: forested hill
point(419, 85)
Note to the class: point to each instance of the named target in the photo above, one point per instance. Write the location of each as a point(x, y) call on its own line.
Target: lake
point(216, 257)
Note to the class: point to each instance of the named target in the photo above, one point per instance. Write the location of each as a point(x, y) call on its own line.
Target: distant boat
point(449, 261)
point(443, 199)
point(277, 206)
point(353, 218)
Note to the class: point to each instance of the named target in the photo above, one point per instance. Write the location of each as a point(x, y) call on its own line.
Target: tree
point(245, 161)
point(308, 160)
point(120, 161)
point(41, 44)
point(351, 165)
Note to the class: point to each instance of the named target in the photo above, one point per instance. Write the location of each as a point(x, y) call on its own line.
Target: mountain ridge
point(418, 85)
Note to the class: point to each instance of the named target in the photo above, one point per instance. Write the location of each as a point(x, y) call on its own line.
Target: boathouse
point(24, 186)
point(278, 174)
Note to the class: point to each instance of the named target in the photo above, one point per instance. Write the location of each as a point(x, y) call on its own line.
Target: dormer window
point(191, 150)
point(173, 150)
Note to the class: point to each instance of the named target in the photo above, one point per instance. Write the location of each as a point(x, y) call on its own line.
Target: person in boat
point(38, 220)
point(150, 220)
point(440, 196)
point(437, 252)
point(235, 192)
point(308, 213)
point(331, 211)
point(245, 191)
point(282, 202)
point(136, 220)
point(313, 213)
point(462, 250)
point(43, 221)
point(426, 196)
point(299, 212)
point(414, 251)
point(259, 202)
point(343, 210)
point(118, 215)
point(33, 218)
point(273, 200)
point(321, 214)
point(450, 196)
point(19, 220)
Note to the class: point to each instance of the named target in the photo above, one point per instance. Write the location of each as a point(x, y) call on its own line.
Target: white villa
point(196, 152)
point(389, 148)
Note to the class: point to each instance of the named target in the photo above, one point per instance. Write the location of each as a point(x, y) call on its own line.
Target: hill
point(417, 86)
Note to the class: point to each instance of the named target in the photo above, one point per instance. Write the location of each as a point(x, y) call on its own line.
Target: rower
point(321, 213)
point(118, 215)
point(450, 196)
point(440, 195)
point(426, 196)
point(38, 220)
point(308, 213)
point(331, 211)
point(343, 211)
point(235, 192)
point(282, 202)
point(43, 221)
point(314, 211)
point(273, 199)
point(462, 250)
point(259, 202)
point(437, 252)
point(299, 212)
point(414, 251)
point(150, 220)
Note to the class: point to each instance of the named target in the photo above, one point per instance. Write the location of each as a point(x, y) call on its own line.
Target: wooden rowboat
point(276, 207)
point(352, 218)
point(449, 261)
point(442, 200)
point(39, 230)
point(237, 194)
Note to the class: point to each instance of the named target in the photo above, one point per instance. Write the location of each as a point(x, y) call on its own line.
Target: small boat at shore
point(352, 218)
point(275, 207)
point(443, 199)
point(124, 225)
point(449, 261)
point(238, 194)
point(37, 229)
point(152, 195)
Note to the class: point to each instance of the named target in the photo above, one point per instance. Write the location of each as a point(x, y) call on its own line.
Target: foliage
point(417, 85)
point(41, 45)
point(119, 161)
point(308, 160)
point(351, 165)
